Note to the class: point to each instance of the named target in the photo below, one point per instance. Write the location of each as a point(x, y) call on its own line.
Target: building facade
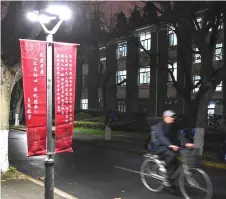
point(122, 75)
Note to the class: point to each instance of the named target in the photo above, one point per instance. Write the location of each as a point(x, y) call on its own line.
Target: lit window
point(122, 50)
point(84, 103)
point(196, 56)
point(218, 52)
point(145, 40)
point(196, 79)
point(173, 67)
point(172, 37)
point(199, 20)
point(121, 106)
point(144, 76)
point(120, 76)
point(210, 109)
point(219, 87)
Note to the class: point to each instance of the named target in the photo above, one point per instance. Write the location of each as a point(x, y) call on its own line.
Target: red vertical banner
point(33, 61)
point(65, 58)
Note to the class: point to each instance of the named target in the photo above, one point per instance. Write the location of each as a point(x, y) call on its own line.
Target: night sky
point(117, 6)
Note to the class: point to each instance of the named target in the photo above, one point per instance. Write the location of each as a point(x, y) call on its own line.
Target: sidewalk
point(130, 142)
point(26, 187)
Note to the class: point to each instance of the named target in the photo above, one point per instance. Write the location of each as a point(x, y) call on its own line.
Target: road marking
point(125, 169)
point(56, 191)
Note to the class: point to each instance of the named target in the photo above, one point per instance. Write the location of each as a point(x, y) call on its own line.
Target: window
point(84, 103)
point(173, 67)
point(144, 76)
point(196, 56)
point(84, 81)
point(142, 105)
point(200, 22)
point(120, 76)
point(196, 79)
point(121, 106)
point(122, 50)
point(102, 53)
point(172, 37)
point(219, 87)
point(145, 40)
point(218, 52)
point(210, 109)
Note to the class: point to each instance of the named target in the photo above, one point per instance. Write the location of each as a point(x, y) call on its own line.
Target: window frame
point(218, 54)
point(172, 34)
point(121, 50)
point(84, 103)
point(175, 72)
point(144, 75)
point(196, 79)
point(196, 57)
point(219, 87)
point(119, 75)
point(146, 41)
point(121, 106)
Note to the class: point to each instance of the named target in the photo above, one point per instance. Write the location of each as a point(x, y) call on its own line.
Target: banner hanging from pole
point(65, 58)
point(33, 62)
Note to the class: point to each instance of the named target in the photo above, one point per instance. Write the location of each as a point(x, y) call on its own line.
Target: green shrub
point(91, 125)
point(83, 116)
point(96, 119)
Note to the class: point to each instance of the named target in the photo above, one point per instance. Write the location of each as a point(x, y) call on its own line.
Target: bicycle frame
point(181, 168)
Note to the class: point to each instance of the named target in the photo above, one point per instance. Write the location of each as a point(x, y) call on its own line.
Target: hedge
point(83, 116)
point(91, 125)
point(96, 119)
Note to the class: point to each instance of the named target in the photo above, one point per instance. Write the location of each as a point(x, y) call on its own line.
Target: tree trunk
point(104, 97)
point(18, 109)
point(9, 77)
point(4, 126)
point(201, 120)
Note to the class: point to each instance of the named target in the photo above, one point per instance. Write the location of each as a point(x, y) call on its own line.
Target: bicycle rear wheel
point(196, 184)
point(151, 175)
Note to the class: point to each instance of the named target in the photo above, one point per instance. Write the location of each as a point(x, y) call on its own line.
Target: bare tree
point(204, 35)
point(182, 18)
point(10, 65)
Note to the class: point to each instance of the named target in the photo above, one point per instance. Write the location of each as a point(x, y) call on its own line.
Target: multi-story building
point(146, 88)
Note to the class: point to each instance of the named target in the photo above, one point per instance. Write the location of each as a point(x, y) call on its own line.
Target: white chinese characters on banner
point(38, 70)
point(64, 86)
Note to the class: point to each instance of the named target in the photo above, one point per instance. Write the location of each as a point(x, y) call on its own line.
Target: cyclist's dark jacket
point(162, 135)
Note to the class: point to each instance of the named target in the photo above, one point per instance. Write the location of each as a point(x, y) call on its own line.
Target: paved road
point(94, 172)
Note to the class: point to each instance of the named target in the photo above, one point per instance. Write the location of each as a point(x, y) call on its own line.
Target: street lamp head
point(32, 16)
point(61, 11)
point(36, 16)
point(46, 15)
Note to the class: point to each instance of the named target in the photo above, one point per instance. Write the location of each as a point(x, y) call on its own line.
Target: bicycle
point(186, 171)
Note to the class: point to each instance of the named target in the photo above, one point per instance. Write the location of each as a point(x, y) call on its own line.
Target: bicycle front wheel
point(195, 184)
point(151, 176)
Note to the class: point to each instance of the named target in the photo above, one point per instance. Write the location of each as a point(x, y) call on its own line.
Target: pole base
point(49, 176)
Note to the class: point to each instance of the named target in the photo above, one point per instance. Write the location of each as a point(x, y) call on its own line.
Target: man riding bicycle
point(165, 142)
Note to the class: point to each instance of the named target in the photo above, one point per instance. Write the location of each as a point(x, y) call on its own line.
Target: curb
point(56, 191)
point(141, 152)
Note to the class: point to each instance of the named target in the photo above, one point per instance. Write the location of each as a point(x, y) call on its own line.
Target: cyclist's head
point(169, 116)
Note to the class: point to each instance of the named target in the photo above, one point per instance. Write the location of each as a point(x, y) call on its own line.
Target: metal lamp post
point(45, 17)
